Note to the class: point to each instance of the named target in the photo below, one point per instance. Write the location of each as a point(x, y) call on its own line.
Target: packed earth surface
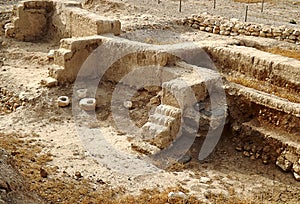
point(44, 157)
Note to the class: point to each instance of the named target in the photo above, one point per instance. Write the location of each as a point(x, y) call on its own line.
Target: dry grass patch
point(266, 87)
point(29, 159)
point(283, 52)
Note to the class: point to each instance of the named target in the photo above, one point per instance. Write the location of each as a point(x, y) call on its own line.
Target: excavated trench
point(258, 119)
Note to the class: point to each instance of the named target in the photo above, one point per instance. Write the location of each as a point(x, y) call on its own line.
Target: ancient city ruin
point(196, 96)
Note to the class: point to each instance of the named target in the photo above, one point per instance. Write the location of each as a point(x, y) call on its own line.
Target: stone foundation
point(234, 27)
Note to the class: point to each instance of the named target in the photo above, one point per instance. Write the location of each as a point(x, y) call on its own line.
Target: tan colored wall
point(32, 20)
point(277, 70)
point(84, 23)
point(57, 19)
point(71, 55)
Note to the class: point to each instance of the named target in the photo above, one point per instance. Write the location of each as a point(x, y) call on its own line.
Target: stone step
point(162, 126)
point(144, 147)
point(191, 87)
point(167, 110)
point(160, 119)
point(151, 130)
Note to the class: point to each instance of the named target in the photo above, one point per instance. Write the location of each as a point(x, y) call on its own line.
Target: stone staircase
point(177, 107)
point(162, 126)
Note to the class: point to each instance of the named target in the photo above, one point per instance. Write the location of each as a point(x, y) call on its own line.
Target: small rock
point(204, 180)
point(239, 149)
point(127, 104)
point(49, 82)
point(246, 154)
point(297, 176)
point(267, 149)
point(154, 100)
point(296, 168)
point(4, 43)
point(3, 185)
point(176, 196)
point(247, 147)
point(78, 174)
point(51, 54)
point(43, 173)
point(284, 164)
point(257, 155)
point(199, 106)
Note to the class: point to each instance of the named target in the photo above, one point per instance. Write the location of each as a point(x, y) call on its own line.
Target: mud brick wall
point(234, 27)
point(84, 23)
point(36, 20)
point(32, 20)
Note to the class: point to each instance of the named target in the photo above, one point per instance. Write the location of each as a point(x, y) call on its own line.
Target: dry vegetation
point(265, 87)
point(69, 189)
point(284, 52)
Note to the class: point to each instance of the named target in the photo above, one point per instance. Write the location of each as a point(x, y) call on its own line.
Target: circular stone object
point(63, 101)
point(81, 93)
point(51, 54)
point(87, 104)
point(127, 104)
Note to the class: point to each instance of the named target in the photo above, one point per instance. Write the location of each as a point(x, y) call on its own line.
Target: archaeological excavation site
point(145, 101)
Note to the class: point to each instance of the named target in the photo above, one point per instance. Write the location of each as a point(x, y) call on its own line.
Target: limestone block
point(216, 30)
point(284, 164)
point(296, 32)
point(49, 82)
point(262, 34)
point(255, 34)
point(195, 26)
point(292, 37)
point(208, 29)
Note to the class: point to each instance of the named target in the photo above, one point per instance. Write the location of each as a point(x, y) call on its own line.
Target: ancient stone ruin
point(263, 110)
point(89, 103)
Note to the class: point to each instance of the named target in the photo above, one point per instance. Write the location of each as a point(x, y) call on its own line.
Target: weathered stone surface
point(162, 126)
point(36, 19)
point(234, 27)
point(32, 22)
point(71, 55)
point(284, 164)
point(258, 64)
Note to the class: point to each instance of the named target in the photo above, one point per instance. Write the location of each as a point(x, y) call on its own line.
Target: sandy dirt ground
point(42, 139)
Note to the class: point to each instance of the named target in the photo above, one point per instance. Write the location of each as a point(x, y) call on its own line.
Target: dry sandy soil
point(44, 160)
